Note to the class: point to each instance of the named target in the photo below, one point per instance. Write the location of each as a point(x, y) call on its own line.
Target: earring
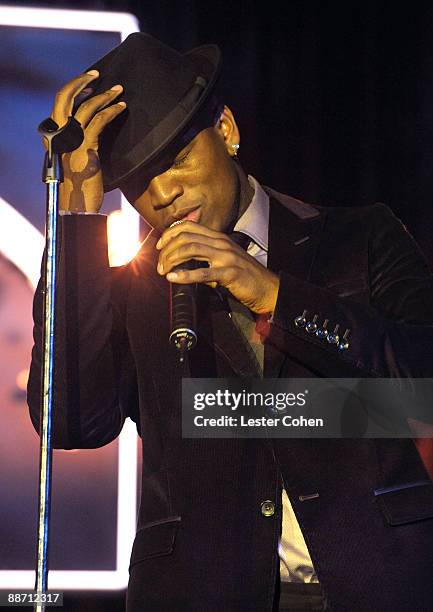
point(235, 148)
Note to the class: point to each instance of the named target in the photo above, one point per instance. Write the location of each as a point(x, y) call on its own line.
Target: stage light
point(121, 245)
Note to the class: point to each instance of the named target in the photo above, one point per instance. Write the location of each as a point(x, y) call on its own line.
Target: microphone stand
point(59, 141)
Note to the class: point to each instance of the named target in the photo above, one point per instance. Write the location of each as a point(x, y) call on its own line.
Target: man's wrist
point(273, 294)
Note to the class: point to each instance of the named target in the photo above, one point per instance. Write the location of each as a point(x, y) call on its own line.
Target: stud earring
point(235, 148)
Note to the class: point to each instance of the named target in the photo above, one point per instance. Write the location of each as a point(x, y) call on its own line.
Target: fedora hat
point(170, 97)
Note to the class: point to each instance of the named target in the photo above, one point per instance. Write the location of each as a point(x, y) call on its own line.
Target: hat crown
point(154, 75)
point(156, 80)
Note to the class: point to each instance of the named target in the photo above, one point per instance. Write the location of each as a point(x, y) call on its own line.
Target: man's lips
point(185, 214)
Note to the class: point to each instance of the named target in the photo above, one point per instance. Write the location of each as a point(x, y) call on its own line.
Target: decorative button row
point(311, 327)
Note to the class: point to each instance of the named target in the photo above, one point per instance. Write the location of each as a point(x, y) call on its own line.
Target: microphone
point(183, 310)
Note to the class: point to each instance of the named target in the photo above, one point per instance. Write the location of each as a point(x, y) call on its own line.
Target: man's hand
point(82, 189)
point(229, 265)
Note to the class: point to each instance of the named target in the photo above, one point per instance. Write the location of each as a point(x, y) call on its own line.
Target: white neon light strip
point(13, 224)
point(126, 524)
point(25, 253)
point(66, 19)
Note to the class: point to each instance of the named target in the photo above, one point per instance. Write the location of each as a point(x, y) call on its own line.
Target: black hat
point(170, 97)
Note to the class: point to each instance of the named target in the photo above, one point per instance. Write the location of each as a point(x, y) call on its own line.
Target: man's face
point(201, 185)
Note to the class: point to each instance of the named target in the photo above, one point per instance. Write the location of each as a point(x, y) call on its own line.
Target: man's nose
point(164, 190)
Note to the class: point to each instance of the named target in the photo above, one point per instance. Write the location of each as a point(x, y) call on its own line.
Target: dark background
point(334, 101)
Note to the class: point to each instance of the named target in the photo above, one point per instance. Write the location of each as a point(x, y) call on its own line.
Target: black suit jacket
point(202, 542)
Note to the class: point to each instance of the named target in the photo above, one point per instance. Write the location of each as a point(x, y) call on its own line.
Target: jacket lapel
point(218, 329)
point(294, 233)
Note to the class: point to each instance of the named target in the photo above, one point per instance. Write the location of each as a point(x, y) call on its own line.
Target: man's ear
point(228, 130)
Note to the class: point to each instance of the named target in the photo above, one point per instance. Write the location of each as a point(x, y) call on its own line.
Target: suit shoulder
point(300, 209)
point(368, 213)
point(376, 219)
point(304, 210)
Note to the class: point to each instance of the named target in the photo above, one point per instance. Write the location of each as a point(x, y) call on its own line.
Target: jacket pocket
point(155, 539)
point(406, 503)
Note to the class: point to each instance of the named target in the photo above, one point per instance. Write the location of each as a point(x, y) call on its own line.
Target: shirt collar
point(255, 220)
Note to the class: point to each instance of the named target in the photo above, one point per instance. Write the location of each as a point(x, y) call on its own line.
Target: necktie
point(241, 239)
point(242, 317)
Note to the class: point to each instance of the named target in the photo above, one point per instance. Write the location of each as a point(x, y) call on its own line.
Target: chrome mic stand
point(59, 141)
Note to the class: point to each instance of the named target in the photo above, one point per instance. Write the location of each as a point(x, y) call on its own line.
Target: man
point(212, 532)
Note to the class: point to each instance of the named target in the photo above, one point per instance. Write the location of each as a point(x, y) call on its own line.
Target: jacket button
point(268, 508)
point(301, 320)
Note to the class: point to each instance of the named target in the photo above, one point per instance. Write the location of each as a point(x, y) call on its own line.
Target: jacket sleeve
point(391, 336)
point(94, 382)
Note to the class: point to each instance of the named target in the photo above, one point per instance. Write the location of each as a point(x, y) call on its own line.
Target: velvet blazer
point(202, 541)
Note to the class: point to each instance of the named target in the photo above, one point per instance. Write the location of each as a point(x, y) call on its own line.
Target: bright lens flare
point(122, 244)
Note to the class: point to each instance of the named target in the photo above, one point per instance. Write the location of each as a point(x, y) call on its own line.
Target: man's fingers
point(190, 246)
point(79, 98)
point(89, 107)
point(222, 276)
point(100, 120)
point(195, 250)
point(187, 226)
point(64, 100)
